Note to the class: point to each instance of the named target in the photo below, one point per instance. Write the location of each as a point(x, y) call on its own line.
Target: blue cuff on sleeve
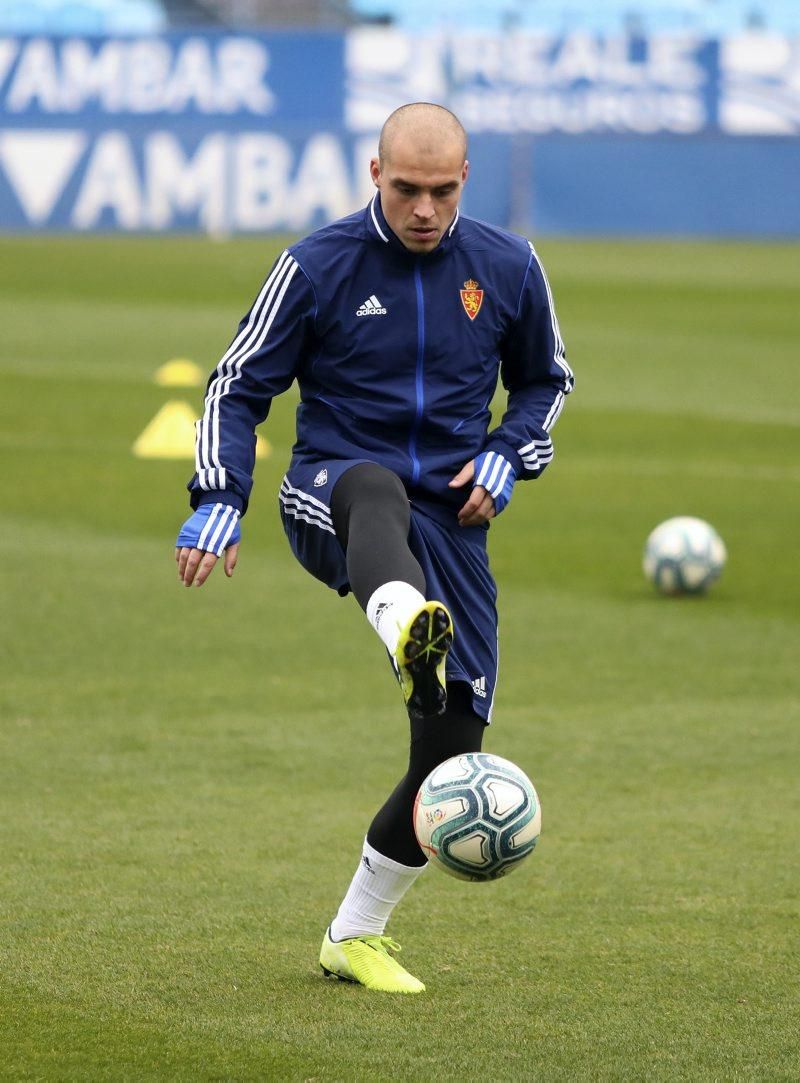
point(213, 527)
point(496, 474)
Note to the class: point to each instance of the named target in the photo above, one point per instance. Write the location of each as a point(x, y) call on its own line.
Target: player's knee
point(375, 484)
point(369, 489)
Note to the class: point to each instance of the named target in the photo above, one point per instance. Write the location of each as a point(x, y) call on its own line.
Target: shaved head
point(431, 127)
point(420, 171)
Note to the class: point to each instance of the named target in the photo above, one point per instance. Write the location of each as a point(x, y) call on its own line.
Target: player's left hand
point(209, 533)
point(493, 478)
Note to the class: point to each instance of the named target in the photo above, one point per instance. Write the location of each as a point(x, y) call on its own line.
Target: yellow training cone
point(170, 435)
point(179, 373)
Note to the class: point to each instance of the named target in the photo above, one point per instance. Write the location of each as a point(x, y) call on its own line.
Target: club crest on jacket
point(471, 298)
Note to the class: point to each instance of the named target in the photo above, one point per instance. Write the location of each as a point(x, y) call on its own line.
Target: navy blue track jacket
point(396, 356)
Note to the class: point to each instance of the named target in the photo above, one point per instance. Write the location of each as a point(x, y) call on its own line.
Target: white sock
point(390, 607)
point(377, 887)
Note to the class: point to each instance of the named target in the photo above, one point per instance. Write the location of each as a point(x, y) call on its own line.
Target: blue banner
point(214, 131)
point(538, 84)
point(284, 79)
point(233, 132)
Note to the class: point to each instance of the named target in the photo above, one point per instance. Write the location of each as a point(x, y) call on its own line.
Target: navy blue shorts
point(453, 559)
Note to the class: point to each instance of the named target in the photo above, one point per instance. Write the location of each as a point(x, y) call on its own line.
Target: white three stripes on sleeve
point(559, 354)
point(211, 474)
point(537, 454)
point(555, 410)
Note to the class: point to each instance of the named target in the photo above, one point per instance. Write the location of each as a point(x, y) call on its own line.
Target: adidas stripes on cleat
point(366, 960)
point(420, 660)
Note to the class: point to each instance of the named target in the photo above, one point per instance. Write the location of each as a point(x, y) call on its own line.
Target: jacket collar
point(379, 229)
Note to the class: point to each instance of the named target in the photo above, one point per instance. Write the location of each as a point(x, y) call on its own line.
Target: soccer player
point(395, 322)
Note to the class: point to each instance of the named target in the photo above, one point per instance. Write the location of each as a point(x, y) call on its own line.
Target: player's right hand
point(208, 533)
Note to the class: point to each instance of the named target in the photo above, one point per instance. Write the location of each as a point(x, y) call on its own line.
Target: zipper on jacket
point(419, 387)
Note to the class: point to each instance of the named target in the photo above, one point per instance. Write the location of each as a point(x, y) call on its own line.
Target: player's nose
point(424, 207)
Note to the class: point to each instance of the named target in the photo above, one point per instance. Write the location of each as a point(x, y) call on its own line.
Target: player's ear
point(375, 172)
point(464, 172)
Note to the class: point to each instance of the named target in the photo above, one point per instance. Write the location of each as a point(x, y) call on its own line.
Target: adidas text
point(371, 307)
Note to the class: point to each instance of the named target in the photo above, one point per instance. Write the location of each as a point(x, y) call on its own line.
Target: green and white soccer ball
point(477, 816)
point(684, 555)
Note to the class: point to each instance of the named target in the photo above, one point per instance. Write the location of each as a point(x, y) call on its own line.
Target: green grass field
point(186, 776)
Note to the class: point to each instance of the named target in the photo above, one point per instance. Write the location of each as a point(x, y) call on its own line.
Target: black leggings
point(433, 740)
point(371, 517)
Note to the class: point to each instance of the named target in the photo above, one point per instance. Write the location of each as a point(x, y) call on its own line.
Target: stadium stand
point(82, 17)
point(711, 18)
point(152, 16)
point(322, 14)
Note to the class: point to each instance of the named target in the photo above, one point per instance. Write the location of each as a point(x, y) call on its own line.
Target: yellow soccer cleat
point(420, 659)
point(366, 960)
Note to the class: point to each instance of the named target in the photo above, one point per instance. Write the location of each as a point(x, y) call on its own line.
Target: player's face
point(420, 190)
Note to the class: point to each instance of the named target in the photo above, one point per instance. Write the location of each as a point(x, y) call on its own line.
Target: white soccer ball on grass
point(684, 555)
